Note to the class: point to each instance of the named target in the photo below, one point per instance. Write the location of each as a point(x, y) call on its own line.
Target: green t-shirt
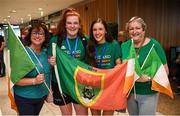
point(107, 54)
point(143, 87)
point(79, 54)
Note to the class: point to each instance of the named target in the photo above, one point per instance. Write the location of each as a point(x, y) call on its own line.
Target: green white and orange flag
point(154, 68)
point(20, 61)
point(133, 70)
point(92, 87)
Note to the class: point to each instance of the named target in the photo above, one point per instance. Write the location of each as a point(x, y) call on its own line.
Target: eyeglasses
point(37, 33)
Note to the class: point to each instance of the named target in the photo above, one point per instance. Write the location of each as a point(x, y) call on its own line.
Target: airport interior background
point(161, 16)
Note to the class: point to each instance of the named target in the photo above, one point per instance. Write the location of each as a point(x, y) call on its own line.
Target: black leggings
point(2, 65)
point(28, 106)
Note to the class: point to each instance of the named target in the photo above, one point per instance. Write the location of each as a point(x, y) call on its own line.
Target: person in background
point(122, 37)
point(24, 32)
point(102, 52)
point(70, 39)
point(177, 64)
point(142, 99)
point(30, 91)
point(53, 30)
point(2, 65)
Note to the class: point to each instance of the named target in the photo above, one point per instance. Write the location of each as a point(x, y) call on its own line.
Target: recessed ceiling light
point(30, 18)
point(40, 9)
point(42, 13)
point(13, 11)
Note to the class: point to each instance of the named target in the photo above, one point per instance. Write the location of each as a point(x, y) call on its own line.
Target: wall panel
point(92, 9)
point(162, 18)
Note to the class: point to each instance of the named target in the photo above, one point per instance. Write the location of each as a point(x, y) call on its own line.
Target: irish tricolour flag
point(154, 68)
point(133, 70)
point(19, 62)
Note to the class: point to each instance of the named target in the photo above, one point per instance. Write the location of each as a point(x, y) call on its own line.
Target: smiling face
point(72, 26)
point(136, 31)
point(37, 37)
point(99, 32)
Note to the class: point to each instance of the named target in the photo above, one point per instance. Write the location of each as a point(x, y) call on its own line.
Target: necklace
point(139, 48)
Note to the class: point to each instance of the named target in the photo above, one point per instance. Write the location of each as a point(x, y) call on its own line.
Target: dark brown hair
point(91, 49)
point(38, 26)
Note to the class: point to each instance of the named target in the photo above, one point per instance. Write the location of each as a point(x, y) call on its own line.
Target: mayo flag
point(20, 62)
point(92, 87)
point(154, 68)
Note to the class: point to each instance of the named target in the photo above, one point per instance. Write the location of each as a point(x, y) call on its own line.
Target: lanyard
point(69, 46)
point(101, 57)
point(40, 64)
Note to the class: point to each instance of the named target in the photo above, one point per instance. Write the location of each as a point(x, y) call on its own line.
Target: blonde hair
point(137, 19)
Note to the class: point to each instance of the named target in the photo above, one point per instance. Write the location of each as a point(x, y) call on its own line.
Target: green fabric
point(140, 87)
point(20, 63)
point(131, 54)
point(63, 61)
point(152, 64)
point(111, 54)
point(39, 90)
point(80, 51)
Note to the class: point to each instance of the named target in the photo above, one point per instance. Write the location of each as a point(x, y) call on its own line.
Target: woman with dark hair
point(71, 40)
point(102, 51)
point(30, 91)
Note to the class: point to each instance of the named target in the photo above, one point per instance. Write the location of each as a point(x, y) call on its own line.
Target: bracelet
point(34, 83)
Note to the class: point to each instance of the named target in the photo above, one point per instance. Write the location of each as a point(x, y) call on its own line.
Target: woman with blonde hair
point(142, 99)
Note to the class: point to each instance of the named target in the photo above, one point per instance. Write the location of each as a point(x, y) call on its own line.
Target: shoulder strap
point(37, 60)
point(84, 42)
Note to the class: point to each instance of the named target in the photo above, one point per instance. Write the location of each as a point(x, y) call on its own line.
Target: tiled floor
point(166, 105)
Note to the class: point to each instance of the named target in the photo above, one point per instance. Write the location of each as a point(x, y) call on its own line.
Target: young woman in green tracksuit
point(70, 39)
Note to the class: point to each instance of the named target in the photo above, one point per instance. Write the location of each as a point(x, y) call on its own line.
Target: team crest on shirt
point(63, 47)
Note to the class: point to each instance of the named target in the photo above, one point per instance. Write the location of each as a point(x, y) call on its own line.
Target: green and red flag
point(94, 88)
point(153, 67)
point(20, 61)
